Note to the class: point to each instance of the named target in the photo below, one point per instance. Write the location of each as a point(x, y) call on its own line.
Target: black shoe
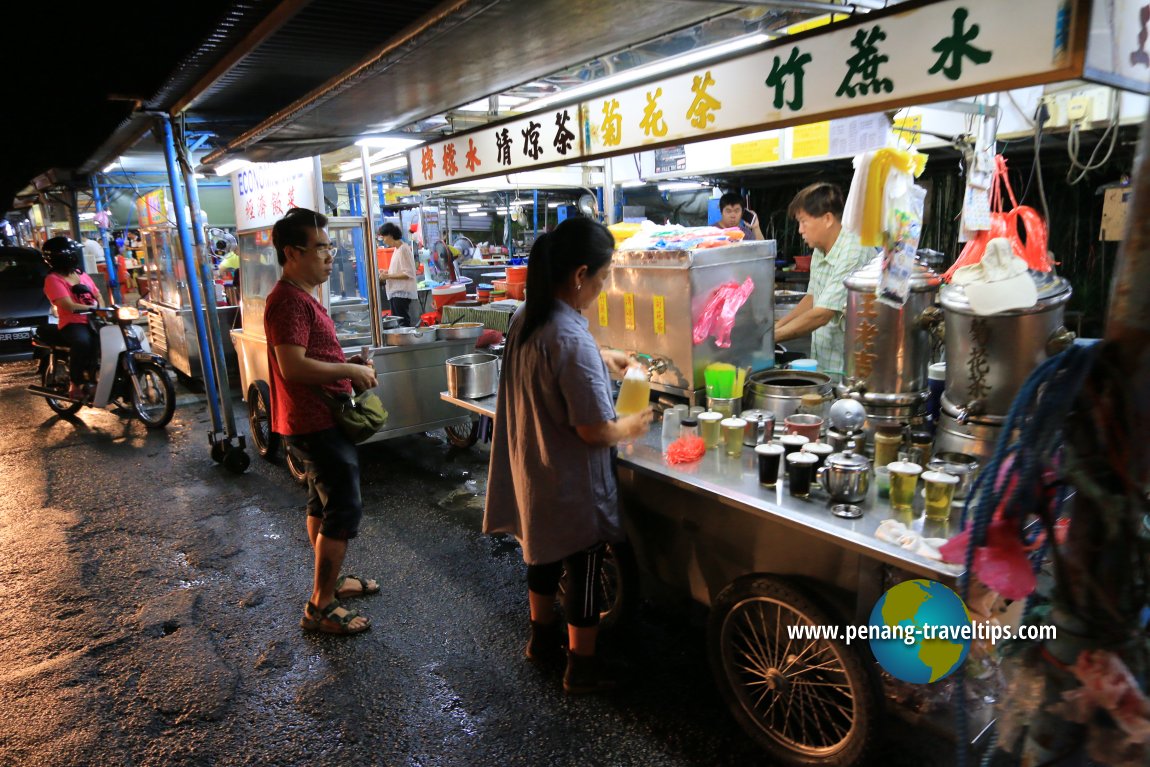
point(547, 643)
point(586, 675)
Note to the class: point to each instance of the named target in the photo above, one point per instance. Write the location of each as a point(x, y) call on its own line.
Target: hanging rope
point(1068, 431)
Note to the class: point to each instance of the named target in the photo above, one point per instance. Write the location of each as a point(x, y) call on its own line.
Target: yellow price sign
point(660, 315)
point(813, 140)
point(629, 311)
point(602, 310)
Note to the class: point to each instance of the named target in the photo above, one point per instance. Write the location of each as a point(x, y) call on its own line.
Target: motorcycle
point(127, 373)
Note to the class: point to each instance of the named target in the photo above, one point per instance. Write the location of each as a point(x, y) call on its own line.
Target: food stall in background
point(171, 330)
point(661, 283)
point(410, 366)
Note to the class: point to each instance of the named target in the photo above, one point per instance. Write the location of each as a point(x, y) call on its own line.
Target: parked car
point(23, 305)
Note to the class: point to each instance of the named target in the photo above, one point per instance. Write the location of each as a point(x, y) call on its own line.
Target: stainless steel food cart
point(410, 377)
point(755, 556)
point(170, 328)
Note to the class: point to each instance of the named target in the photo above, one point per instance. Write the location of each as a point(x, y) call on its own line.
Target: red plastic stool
point(428, 319)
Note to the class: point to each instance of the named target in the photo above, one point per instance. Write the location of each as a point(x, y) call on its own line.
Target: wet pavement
point(154, 602)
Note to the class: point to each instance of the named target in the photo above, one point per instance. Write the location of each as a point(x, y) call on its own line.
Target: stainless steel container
point(781, 391)
point(887, 349)
point(472, 376)
point(957, 432)
point(846, 477)
point(988, 358)
point(652, 299)
point(410, 336)
point(458, 331)
point(760, 427)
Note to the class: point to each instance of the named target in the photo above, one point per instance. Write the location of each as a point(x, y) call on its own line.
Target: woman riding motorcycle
point(71, 291)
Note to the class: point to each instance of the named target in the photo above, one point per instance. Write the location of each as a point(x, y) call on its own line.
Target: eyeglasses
point(330, 248)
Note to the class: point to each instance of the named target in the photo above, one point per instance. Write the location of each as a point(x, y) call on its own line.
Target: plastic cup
point(670, 425)
point(801, 473)
point(792, 443)
point(709, 426)
point(882, 481)
point(733, 435)
point(939, 490)
point(770, 458)
point(802, 423)
point(820, 450)
point(903, 482)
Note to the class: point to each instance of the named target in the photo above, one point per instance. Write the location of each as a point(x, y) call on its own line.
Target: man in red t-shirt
point(304, 355)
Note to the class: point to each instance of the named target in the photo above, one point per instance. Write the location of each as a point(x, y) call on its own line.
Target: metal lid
point(757, 415)
point(1052, 290)
point(848, 460)
point(866, 278)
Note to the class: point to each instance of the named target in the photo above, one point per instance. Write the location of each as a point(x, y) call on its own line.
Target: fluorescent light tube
point(650, 70)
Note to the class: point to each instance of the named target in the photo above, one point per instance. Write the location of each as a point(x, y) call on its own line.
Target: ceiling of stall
point(274, 81)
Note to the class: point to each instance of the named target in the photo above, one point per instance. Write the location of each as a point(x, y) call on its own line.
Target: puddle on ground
point(469, 495)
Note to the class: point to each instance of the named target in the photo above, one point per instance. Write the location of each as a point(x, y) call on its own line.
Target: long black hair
point(555, 256)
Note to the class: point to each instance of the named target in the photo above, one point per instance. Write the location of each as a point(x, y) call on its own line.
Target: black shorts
point(332, 465)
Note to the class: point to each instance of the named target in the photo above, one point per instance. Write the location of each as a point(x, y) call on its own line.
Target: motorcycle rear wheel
point(57, 377)
point(158, 401)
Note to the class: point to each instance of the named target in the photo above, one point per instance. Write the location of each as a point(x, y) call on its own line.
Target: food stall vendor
point(818, 209)
point(733, 214)
point(400, 278)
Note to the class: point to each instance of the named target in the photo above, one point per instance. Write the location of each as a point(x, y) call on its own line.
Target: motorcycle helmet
point(63, 254)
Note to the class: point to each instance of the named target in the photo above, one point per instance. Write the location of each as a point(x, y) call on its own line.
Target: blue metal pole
point(535, 212)
point(186, 245)
point(215, 334)
point(109, 262)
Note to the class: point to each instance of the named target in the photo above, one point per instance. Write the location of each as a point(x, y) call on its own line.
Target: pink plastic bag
point(718, 316)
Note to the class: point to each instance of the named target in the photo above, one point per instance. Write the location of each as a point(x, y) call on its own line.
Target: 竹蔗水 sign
point(893, 58)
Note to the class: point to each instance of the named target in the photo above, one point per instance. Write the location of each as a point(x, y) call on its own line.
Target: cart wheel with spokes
point(295, 465)
point(266, 441)
point(463, 436)
point(807, 701)
point(619, 581)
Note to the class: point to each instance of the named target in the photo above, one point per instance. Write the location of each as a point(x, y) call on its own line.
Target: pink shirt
point(56, 286)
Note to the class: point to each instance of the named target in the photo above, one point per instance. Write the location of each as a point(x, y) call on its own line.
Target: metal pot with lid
point(989, 357)
point(781, 391)
point(846, 477)
point(888, 350)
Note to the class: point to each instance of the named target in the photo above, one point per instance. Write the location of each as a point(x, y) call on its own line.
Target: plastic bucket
point(516, 275)
point(383, 258)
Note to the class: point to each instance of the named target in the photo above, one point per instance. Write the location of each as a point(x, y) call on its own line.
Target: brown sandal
point(333, 619)
point(367, 587)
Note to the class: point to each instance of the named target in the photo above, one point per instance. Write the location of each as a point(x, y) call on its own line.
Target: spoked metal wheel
point(153, 395)
point(58, 378)
point(295, 465)
point(463, 436)
point(619, 584)
point(267, 442)
point(806, 701)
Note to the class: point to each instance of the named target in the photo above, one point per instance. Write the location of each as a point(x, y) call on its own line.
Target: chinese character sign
point(546, 138)
point(875, 62)
point(263, 192)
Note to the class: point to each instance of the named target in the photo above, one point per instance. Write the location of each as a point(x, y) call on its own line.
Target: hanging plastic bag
point(718, 315)
point(1006, 224)
point(903, 227)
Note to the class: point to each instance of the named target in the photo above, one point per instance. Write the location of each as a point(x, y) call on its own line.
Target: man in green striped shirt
point(818, 209)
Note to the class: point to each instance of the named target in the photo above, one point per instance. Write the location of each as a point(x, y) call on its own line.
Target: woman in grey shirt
point(551, 482)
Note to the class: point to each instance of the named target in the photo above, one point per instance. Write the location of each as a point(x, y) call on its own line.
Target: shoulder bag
point(360, 417)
